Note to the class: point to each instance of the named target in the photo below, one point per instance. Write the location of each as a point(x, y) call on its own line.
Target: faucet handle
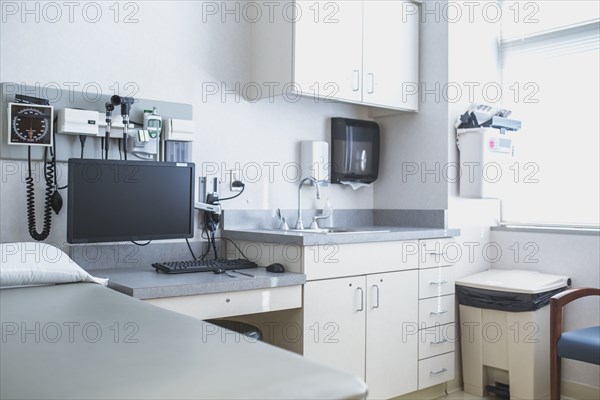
point(314, 224)
point(284, 225)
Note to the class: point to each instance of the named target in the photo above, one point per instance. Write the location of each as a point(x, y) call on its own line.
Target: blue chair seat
point(581, 344)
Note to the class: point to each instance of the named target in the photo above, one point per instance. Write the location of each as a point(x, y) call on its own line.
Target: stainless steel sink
point(330, 231)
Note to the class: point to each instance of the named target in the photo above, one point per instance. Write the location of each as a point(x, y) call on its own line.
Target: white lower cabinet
point(383, 311)
point(334, 323)
point(391, 341)
point(363, 325)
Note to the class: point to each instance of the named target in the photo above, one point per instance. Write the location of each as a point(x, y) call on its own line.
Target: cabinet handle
point(438, 312)
point(438, 283)
point(441, 371)
point(377, 296)
point(362, 299)
point(371, 85)
point(440, 341)
point(356, 80)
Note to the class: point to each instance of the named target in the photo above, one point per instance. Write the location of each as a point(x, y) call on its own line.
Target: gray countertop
point(148, 284)
point(310, 239)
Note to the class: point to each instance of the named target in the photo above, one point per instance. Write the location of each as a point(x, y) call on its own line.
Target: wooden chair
point(580, 344)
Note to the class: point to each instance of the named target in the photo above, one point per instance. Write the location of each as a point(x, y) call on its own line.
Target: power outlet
point(234, 175)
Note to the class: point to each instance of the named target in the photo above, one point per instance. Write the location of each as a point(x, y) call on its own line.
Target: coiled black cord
point(49, 177)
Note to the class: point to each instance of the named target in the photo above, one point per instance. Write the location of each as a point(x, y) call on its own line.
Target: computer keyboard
point(182, 267)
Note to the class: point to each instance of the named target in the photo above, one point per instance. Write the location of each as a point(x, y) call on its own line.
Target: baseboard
point(429, 393)
point(578, 391)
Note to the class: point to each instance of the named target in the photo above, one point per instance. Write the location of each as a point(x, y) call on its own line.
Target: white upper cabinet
point(391, 54)
point(364, 52)
point(328, 50)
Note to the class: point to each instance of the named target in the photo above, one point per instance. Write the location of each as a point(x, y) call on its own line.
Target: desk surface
point(144, 284)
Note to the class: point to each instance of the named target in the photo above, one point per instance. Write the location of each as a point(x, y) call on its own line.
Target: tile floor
point(460, 395)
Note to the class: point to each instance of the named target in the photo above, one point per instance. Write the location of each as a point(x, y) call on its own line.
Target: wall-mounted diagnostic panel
point(30, 124)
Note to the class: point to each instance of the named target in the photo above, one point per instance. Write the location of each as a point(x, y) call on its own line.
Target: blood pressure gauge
point(30, 124)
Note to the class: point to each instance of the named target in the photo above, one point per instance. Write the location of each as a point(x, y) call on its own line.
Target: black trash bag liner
point(503, 301)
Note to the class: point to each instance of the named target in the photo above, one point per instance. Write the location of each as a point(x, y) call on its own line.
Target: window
point(550, 73)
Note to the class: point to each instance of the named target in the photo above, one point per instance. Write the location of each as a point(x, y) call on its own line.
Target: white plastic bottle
point(328, 210)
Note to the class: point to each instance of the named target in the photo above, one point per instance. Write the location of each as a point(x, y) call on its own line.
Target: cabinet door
point(391, 53)
point(334, 323)
point(392, 334)
point(328, 49)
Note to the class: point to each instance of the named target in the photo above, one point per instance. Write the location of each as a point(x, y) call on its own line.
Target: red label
point(492, 144)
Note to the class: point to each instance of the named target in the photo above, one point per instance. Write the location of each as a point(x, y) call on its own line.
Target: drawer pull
point(438, 312)
point(441, 371)
point(438, 283)
point(440, 341)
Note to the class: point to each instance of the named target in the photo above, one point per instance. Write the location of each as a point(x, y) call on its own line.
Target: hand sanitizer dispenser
point(314, 161)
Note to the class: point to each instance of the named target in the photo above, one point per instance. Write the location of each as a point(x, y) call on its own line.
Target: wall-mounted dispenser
point(354, 151)
point(176, 140)
point(314, 161)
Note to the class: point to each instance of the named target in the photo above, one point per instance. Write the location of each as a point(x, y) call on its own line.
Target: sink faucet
point(299, 223)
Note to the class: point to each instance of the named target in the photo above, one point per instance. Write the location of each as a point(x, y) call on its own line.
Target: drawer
point(341, 260)
point(437, 340)
point(436, 311)
point(437, 252)
point(217, 305)
point(436, 370)
point(435, 282)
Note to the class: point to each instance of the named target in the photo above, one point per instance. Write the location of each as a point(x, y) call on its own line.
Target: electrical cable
point(191, 251)
point(149, 158)
point(214, 244)
point(53, 154)
point(204, 235)
point(49, 177)
point(206, 252)
point(119, 145)
point(237, 195)
point(236, 246)
point(141, 244)
point(82, 139)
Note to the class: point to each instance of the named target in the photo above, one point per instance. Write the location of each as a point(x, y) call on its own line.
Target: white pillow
point(34, 263)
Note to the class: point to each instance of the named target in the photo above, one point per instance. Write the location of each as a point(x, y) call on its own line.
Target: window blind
point(551, 82)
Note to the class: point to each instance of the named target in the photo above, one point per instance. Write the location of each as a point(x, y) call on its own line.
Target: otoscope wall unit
point(88, 105)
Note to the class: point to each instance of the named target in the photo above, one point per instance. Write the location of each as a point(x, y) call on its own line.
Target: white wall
point(169, 54)
point(472, 216)
point(415, 142)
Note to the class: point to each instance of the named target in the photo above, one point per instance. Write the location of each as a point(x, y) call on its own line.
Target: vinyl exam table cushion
point(175, 356)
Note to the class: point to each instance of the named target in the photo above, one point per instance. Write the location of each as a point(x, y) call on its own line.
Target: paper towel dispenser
point(354, 150)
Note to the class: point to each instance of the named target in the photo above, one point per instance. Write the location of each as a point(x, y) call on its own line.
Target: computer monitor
point(111, 201)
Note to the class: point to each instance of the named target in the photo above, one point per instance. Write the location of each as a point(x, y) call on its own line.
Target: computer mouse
point(276, 267)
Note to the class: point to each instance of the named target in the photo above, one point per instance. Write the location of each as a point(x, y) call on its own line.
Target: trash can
point(250, 331)
point(505, 332)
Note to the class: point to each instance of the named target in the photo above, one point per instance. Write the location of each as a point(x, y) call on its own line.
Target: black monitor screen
point(112, 200)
